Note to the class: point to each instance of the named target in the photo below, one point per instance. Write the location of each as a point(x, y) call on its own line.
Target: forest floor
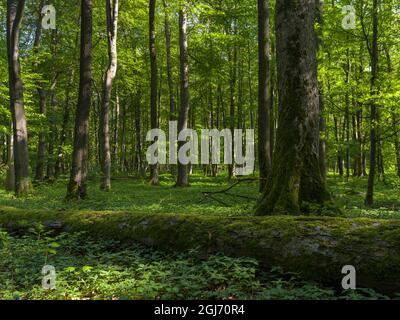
point(105, 269)
point(136, 195)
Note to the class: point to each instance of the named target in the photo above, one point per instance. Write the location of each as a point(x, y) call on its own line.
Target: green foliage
point(100, 269)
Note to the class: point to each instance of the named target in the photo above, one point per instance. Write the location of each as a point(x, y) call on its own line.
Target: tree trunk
point(63, 135)
point(77, 185)
point(264, 110)
point(41, 152)
point(296, 179)
point(347, 114)
point(172, 102)
point(23, 185)
point(9, 184)
point(369, 200)
point(315, 248)
point(183, 178)
point(395, 125)
point(138, 130)
point(232, 90)
point(105, 153)
point(50, 172)
point(154, 179)
point(322, 143)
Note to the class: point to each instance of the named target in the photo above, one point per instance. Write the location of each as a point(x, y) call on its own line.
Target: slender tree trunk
point(105, 152)
point(64, 130)
point(369, 200)
point(50, 172)
point(347, 114)
point(295, 180)
point(232, 89)
point(138, 136)
point(264, 111)
point(172, 102)
point(123, 163)
point(395, 126)
point(41, 153)
point(23, 185)
point(183, 178)
point(77, 185)
point(322, 142)
point(154, 179)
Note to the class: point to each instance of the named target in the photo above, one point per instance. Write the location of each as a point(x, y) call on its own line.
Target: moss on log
point(316, 247)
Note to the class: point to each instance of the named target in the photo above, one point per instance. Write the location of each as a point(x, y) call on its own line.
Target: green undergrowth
point(136, 195)
point(106, 269)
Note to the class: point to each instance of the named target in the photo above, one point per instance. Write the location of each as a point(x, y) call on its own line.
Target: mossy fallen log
point(316, 247)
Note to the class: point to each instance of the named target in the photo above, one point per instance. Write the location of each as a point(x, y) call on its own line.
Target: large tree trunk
point(369, 200)
point(153, 83)
point(23, 185)
point(77, 184)
point(105, 153)
point(316, 248)
point(296, 178)
point(183, 179)
point(264, 93)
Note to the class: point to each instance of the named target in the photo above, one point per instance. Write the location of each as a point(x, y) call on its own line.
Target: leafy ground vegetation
point(107, 269)
point(90, 269)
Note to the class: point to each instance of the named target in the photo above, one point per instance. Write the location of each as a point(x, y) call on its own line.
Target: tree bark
point(105, 153)
point(183, 178)
point(316, 248)
point(369, 200)
point(23, 185)
point(172, 102)
point(154, 179)
point(63, 135)
point(264, 93)
point(395, 125)
point(296, 181)
point(41, 152)
point(77, 184)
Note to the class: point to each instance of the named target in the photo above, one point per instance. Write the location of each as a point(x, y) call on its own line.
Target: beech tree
point(295, 179)
point(153, 82)
point(183, 177)
point(264, 97)
point(105, 153)
point(77, 184)
point(15, 10)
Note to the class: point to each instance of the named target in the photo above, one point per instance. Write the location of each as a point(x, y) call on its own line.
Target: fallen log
point(316, 247)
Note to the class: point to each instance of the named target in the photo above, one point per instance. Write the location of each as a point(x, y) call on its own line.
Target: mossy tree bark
point(77, 184)
point(295, 178)
point(315, 247)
